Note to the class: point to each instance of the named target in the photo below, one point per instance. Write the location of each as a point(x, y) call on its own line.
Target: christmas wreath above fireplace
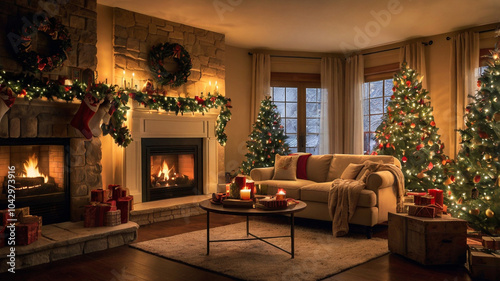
point(179, 55)
point(33, 61)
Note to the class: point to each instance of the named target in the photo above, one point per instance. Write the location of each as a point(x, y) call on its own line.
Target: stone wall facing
point(135, 34)
point(78, 16)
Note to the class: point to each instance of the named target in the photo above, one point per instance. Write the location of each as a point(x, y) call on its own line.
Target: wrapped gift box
point(124, 204)
point(26, 233)
point(34, 219)
point(113, 218)
point(102, 209)
point(98, 195)
point(426, 200)
point(483, 264)
point(492, 243)
point(90, 215)
point(422, 211)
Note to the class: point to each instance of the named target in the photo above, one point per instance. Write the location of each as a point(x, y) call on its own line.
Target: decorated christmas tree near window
point(266, 140)
point(409, 133)
point(474, 190)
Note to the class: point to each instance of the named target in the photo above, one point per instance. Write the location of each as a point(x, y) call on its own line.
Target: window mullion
point(301, 117)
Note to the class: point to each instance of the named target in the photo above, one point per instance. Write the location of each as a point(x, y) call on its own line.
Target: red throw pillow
point(301, 165)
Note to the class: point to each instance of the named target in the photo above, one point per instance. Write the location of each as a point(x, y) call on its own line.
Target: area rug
point(317, 253)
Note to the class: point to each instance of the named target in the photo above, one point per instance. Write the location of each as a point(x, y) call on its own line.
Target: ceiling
point(319, 25)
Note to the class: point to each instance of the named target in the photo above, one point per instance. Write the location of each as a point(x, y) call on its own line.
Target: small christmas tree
point(475, 188)
point(409, 133)
point(266, 140)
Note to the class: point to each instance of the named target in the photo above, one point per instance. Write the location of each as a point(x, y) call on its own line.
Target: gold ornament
point(496, 116)
point(420, 175)
point(430, 142)
point(474, 212)
point(460, 201)
point(489, 213)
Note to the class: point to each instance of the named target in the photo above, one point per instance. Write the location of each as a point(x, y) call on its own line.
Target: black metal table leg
point(292, 234)
point(248, 232)
point(208, 233)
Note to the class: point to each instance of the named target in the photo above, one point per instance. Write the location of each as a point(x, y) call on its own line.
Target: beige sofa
point(375, 201)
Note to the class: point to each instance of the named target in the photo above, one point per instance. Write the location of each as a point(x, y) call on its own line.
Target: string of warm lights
point(30, 87)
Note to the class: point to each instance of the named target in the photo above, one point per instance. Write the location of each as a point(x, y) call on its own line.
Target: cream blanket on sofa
point(344, 194)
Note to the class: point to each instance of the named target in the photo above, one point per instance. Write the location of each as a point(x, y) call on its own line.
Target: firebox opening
point(171, 168)
point(41, 176)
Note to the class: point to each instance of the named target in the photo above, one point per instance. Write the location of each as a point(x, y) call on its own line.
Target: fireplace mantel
point(158, 124)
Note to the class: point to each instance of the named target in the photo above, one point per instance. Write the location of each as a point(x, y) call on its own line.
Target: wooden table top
point(210, 207)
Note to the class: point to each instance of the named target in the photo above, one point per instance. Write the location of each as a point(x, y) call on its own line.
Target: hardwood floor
point(127, 264)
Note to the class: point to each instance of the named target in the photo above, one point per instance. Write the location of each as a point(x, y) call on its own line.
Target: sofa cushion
point(285, 167)
point(292, 188)
point(318, 192)
point(351, 171)
point(341, 161)
point(317, 167)
point(302, 164)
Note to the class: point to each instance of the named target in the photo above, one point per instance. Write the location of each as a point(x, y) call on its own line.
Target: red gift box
point(98, 195)
point(102, 209)
point(241, 181)
point(90, 216)
point(32, 219)
point(26, 233)
point(114, 191)
point(125, 205)
point(113, 204)
point(422, 211)
point(438, 196)
point(426, 200)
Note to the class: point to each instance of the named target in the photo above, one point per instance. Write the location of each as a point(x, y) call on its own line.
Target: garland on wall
point(29, 87)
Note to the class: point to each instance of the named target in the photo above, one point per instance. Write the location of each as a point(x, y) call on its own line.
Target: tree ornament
point(483, 135)
point(474, 212)
point(404, 159)
point(477, 179)
point(489, 213)
point(433, 123)
point(478, 83)
point(474, 193)
point(412, 125)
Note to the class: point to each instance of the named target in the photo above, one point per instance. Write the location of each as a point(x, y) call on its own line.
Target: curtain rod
point(483, 31)
point(293, 57)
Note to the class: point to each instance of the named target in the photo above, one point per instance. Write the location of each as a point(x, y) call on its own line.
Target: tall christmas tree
point(266, 140)
point(475, 193)
point(408, 132)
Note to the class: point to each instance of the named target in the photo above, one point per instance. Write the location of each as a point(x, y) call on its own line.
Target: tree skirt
point(317, 253)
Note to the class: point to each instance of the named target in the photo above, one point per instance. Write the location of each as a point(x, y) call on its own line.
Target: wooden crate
point(483, 264)
point(429, 241)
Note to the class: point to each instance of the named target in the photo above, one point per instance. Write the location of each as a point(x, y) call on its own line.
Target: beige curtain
point(353, 105)
point(464, 68)
point(414, 55)
point(331, 121)
point(261, 83)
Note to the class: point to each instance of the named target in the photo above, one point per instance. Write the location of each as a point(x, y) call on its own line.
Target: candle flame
point(31, 169)
point(281, 191)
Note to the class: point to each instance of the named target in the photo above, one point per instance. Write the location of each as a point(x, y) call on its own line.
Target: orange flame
point(31, 169)
point(165, 171)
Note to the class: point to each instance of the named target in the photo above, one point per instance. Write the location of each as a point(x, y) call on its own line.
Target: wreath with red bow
point(35, 62)
point(179, 55)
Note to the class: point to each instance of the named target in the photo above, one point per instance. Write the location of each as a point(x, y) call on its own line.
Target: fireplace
point(171, 167)
point(41, 176)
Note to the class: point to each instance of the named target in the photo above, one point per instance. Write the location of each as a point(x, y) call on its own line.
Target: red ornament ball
point(404, 159)
point(477, 179)
point(433, 123)
point(408, 83)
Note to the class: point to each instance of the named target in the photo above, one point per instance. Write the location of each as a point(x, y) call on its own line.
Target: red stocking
point(85, 112)
point(7, 100)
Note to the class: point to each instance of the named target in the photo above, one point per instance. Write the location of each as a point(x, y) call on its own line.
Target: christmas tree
point(474, 187)
point(266, 140)
point(409, 133)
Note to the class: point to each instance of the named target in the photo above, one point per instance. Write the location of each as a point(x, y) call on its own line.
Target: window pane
point(372, 141)
point(313, 110)
point(281, 108)
point(388, 87)
point(376, 89)
point(278, 94)
point(293, 150)
point(312, 140)
point(291, 94)
point(366, 145)
point(311, 95)
point(291, 109)
point(376, 106)
point(366, 107)
point(312, 126)
point(366, 123)
point(366, 90)
point(292, 140)
point(312, 150)
point(291, 126)
point(375, 122)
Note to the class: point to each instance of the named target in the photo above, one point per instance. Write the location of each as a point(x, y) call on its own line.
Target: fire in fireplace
point(171, 168)
point(40, 176)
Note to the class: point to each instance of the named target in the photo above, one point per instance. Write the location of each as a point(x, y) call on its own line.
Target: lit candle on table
point(245, 194)
point(228, 187)
point(281, 194)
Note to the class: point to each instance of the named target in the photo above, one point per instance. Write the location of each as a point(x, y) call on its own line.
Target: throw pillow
point(285, 167)
point(351, 171)
point(301, 164)
point(368, 168)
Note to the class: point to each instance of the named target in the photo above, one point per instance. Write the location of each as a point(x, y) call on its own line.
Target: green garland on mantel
point(30, 87)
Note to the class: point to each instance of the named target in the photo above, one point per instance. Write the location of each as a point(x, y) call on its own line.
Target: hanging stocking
point(81, 119)
point(7, 100)
point(95, 122)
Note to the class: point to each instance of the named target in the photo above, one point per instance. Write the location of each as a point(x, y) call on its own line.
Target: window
point(298, 98)
point(376, 94)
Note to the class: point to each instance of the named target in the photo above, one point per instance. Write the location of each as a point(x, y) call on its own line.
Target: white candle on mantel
point(132, 81)
point(209, 87)
point(124, 84)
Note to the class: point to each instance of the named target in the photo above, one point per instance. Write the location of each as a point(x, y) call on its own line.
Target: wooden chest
point(428, 241)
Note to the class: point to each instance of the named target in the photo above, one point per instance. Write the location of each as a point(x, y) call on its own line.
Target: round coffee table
point(291, 210)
